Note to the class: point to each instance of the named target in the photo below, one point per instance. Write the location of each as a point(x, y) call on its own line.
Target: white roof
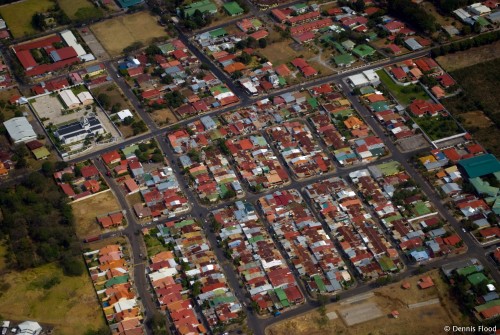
point(70, 40)
point(84, 96)
point(124, 114)
point(358, 79)
point(371, 75)
point(123, 305)
point(29, 327)
point(19, 129)
point(69, 98)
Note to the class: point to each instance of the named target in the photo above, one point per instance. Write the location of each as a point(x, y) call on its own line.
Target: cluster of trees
point(196, 21)
point(174, 99)
point(477, 41)
point(38, 222)
point(251, 43)
point(133, 47)
point(448, 6)
point(41, 21)
point(148, 152)
point(412, 13)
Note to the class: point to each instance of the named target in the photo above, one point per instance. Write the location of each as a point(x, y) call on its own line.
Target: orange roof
point(237, 66)
point(353, 122)
point(425, 282)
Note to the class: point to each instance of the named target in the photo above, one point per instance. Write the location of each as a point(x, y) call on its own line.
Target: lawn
point(438, 127)
point(153, 245)
point(80, 9)
point(120, 32)
point(424, 320)
point(404, 94)
point(18, 15)
point(481, 85)
point(85, 212)
point(71, 306)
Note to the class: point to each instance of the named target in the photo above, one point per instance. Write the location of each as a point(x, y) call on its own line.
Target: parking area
point(49, 110)
point(412, 143)
point(360, 313)
point(93, 44)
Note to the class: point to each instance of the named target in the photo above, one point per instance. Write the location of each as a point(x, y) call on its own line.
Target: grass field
point(281, 53)
point(71, 306)
point(18, 15)
point(424, 320)
point(459, 60)
point(85, 212)
point(404, 94)
point(79, 9)
point(481, 85)
point(120, 32)
point(438, 127)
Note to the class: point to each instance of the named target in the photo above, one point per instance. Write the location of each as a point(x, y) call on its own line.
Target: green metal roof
point(280, 293)
point(467, 270)
point(218, 32)
point(183, 223)
point(204, 6)
point(389, 168)
point(117, 280)
point(483, 187)
point(489, 304)
point(480, 165)
point(319, 283)
point(476, 278)
point(363, 50)
point(344, 59)
point(387, 264)
point(41, 152)
point(233, 8)
point(166, 48)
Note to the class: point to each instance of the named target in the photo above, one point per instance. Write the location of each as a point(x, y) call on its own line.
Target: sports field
point(18, 15)
point(120, 32)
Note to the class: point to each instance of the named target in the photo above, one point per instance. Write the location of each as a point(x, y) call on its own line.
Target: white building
point(478, 9)
point(29, 328)
point(71, 41)
point(124, 114)
point(79, 131)
point(20, 130)
point(368, 77)
point(85, 98)
point(69, 98)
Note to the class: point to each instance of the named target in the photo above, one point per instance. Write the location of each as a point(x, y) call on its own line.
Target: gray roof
point(19, 129)
point(413, 44)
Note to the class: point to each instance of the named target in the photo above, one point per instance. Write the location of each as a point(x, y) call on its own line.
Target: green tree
point(262, 43)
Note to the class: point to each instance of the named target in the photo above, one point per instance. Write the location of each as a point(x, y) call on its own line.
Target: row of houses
point(403, 211)
point(79, 181)
point(360, 239)
point(307, 245)
point(175, 69)
point(263, 271)
point(213, 177)
point(299, 149)
point(338, 124)
point(189, 275)
point(109, 271)
point(256, 163)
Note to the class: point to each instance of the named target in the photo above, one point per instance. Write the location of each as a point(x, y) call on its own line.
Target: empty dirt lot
point(87, 210)
point(429, 319)
point(120, 32)
point(459, 60)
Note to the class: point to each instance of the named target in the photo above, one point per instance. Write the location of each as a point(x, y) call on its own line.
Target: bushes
point(477, 41)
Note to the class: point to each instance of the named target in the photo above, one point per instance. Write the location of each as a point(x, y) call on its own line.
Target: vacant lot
point(481, 86)
point(18, 15)
point(70, 305)
point(163, 117)
point(281, 52)
point(440, 19)
point(423, 320)
point(118, 33)
point(85, 212)
point(438, 127)
point(459, 60)
point(404, 94)
point(476, 119)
